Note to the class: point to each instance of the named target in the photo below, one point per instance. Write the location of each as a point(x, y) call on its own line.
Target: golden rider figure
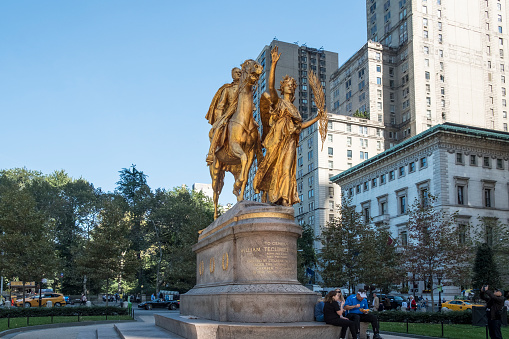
point(220, 104)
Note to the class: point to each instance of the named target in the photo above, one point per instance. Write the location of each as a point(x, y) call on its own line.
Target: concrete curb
point(409, 335)
point(46, 326)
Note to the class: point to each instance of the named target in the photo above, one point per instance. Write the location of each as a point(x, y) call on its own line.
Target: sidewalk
point(144, 327)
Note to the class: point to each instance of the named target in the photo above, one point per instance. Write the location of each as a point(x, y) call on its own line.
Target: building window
point(383, 179)
point(411, 167)
point(500, 164)
point(311, 179)
point(461, 185)
point(366, 186)
point(374, 182)
point(473, 160)
point(487, 197)
point(488, 193)
point(401, 196)
point(311, 206)
point(311, 220)
point(311, 193)
point(299, 161)
point(460, 195)
point(391, 175)
point(423, 162)
point(486, 162)
point(459, 159)
point(310, 155)
point(358, 189)
point(365, 212)
point(331, 164)
point(402, 171)
point(349, 153)
point(331, 192)
point(404, 238)
point(330, 151)
point(378, 81)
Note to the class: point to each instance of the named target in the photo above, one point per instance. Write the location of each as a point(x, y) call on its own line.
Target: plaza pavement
point(144, 327)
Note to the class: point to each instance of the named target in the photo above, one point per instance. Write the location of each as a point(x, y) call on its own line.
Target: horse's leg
point(237, 150)
point(217, 176)
point(245, 169)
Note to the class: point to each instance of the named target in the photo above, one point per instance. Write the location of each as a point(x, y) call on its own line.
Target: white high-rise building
point(349, 142)
point(440, 61)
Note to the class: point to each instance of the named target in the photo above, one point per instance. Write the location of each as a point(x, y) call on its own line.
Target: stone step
point(107, 333)
point(143, 330)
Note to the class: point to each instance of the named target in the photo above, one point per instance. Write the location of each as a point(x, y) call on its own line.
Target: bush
point(19, 312)
point(456, 317)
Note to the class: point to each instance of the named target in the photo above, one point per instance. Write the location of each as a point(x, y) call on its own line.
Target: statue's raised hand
point(275, 55)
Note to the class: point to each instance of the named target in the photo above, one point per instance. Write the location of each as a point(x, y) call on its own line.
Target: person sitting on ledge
point(333, 313)
point(357, 307)
point(319, 310)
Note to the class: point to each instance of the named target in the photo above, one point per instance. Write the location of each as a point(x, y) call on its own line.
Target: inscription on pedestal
point(271, 257)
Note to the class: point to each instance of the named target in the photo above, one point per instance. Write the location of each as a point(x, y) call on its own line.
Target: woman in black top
point(333, 314)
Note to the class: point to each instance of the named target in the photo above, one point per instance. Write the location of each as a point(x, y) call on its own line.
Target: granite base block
point(209, 329)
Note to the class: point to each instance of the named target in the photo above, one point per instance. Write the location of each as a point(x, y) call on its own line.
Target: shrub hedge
point(18, 312)
point(456, 317)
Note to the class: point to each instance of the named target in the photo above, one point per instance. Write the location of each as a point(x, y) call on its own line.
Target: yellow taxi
point(459, 305)
point(57, 299)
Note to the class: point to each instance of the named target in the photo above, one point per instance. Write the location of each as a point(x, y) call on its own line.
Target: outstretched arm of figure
point(312, 121)
point(272, 76)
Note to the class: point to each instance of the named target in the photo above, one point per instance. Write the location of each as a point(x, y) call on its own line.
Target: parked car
point(458, 305)
point(57, 299)
point(396, 301)
point(160, 303)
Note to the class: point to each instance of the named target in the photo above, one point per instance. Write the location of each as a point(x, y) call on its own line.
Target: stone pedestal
point(247, 268)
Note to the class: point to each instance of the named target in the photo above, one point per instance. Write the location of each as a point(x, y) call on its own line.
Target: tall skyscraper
point(440, 61)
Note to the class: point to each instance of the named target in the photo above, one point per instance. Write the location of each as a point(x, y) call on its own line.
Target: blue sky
point(92, 86)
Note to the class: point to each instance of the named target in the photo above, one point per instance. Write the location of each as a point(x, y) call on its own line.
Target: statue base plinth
point(247, 268)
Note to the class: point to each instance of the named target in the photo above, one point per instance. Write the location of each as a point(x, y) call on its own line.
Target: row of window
point(391, 175)
point(473, 161)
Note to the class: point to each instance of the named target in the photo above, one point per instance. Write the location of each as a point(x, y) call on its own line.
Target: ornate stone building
point(466, 168)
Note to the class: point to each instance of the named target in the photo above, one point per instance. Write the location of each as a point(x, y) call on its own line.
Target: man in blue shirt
point(358, 309)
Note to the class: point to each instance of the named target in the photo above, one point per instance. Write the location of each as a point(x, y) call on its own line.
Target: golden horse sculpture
point(235, 136)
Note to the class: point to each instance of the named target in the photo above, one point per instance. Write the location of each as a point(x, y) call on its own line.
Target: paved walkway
point(144, 327)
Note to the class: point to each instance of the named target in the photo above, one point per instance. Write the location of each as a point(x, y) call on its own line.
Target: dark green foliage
point(356, 252)
point(456, 317)
point(26, 233)
point(177, 216)
point(20, 312)
point(306, 255)
point(485, 270)
point(362, 115)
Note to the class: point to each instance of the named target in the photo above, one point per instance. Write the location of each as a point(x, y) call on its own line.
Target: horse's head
point(251, 71)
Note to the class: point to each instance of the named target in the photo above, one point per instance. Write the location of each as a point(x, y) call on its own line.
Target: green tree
point(306, 255)
point(108, 255)
point(346, 248)
point(178, 214)
point(496, 235)
point(485, 270)
point(26, 235)
point(360, 114)
point(383, 264)
point(137, 195)
point(433, 249)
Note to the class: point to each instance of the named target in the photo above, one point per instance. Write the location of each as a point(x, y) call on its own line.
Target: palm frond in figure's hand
point(319, 99)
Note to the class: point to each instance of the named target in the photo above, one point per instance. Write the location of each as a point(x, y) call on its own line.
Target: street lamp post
point(439, 277)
